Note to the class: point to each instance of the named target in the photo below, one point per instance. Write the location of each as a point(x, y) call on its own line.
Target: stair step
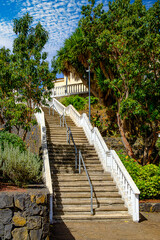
point(79, 183)
point(87, 201)
point(100, 217)
point(69, 209)
point(82, 177)
point(86, 194)
point(85, 189)
point(72, 190)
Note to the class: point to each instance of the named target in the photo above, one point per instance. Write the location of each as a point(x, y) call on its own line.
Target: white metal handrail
point(91, 187)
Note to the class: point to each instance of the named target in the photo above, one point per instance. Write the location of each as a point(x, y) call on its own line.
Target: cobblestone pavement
point(147, 229)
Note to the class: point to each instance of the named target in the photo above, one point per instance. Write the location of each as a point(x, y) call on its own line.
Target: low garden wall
point(149, 207)
point(24, 216)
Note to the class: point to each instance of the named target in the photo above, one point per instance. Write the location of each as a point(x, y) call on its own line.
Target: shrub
point(147, 178)
point(80, 103)
point(20, 167)
point(13, 139)
point(77, 102)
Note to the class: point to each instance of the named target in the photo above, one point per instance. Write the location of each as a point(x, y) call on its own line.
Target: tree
point(26, 80)
point(123, 46)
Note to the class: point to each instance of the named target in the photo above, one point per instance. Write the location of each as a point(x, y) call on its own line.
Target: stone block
point(18, 220)
point(156, 207)
point(5, 216)
point(20, 234)
point(1, 230)
point(34, 222)
point(45, 230)
point(33, 197)
point(7, 231)
point(145, 207)
point(6, 200)
point(28, 202)
point(36, 234)
point(19, 201)
point(44, 211)
point(34, 209)
point(40, 199)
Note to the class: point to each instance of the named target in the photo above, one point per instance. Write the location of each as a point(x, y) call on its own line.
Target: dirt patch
point(7, 187)
point(150, 201)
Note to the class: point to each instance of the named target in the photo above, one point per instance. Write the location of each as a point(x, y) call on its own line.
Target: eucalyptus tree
point(123, 45)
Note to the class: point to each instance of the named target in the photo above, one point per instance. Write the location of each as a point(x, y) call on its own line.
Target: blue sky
point(59, 17)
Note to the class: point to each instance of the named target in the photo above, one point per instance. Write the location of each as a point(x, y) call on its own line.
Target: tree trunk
point(124, 139)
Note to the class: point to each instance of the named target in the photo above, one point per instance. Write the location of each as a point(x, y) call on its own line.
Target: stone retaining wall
point(149, 207)
point(24, 216)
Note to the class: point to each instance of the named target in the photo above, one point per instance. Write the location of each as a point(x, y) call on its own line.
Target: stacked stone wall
point(24, 216)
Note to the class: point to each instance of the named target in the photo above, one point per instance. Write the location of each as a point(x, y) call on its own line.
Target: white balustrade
point(127, 187)
point(46, 171)
point(87, 127)
point(109, 159)
point(69, 90)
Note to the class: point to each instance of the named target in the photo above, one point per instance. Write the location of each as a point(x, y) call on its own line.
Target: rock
point(40, 199)
point(45, 229)
point(19, 201)
point(1, 230)
point(156, 207)
point(5, 216)
point(6, 201)
point(36, 234)
point(28, 202)
point(18, 220)
point(145, 207)
point(34, 222)
point(20, 234)
point(32, 198)
point(44, 211)
point(34, 209)
point(7, 231)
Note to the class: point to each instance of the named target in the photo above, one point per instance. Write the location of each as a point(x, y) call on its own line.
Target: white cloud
point(58, 17)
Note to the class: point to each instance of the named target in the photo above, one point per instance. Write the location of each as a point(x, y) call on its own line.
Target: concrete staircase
point(71, 189)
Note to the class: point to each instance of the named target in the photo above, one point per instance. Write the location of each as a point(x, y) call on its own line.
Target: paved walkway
point(147, 229)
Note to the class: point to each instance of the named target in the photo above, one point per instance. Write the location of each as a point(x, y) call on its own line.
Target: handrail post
point(91, 200)
point(76, 158)
point(79, 161)
point(53, 110)
point(63, 119)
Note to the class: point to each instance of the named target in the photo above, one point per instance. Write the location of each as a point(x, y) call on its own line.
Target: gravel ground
point(147, 229)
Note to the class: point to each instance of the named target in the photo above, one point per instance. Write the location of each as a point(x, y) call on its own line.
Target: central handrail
point(69, 132)
point(75, 147)
point(60, 115)
point(91, 187)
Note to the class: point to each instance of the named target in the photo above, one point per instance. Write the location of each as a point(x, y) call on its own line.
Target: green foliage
point(20, 167)
point(77, 102)
point(11, 139)
point(80, 103)
point(147, 178)
point(25, 77)
point(158, 145)
point(123, 47)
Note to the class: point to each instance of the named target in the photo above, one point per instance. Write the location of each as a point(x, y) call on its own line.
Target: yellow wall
point(62, 81)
